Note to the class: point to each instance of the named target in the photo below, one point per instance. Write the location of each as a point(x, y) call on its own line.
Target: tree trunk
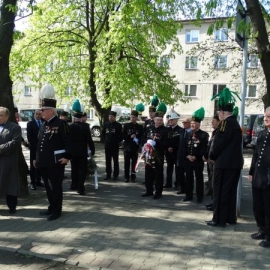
point(262, 42)
point(6, 99)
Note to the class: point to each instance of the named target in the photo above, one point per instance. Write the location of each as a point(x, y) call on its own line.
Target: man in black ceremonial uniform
point(32, 137)
point(156, 136)
point(226, 152)
point(112, 133)
point(132, 135)
point(82, 143)
point(53, 153)
point(150, 121)
point(195, 148)
point(259, 175)
point(171, 152)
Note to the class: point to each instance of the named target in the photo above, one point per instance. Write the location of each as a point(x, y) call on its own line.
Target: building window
point(164, 61)
point(253, 61)
point(220, 61)
point(91, 113)
point(68, 91)
point(217, 88)
point(27, 91)
point(191, 62)
point(251, 91)
point(190, 90)
point(192, 36)
point(221, 34)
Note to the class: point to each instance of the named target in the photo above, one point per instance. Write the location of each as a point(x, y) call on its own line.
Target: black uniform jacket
point(181, 154)
point(112, 133)
point(260, 165)
point(148, 123)
point(206, 155)
point(32, 135)
point(226, 148)
point(81, 139)
point(160, 135)
point(129, 129)
point(52, 136)
point(196, 145)
point(173, 139)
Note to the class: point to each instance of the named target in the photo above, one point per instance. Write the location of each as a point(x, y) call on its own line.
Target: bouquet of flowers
point(148, 152)
point(91, 166)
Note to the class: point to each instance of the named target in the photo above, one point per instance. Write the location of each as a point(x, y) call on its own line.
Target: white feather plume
point(47, 91)
point(66, 108)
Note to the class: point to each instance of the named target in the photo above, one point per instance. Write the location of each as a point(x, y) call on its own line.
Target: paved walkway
point(115, 228)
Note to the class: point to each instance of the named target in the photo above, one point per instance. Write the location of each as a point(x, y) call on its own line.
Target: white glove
point(136, 140)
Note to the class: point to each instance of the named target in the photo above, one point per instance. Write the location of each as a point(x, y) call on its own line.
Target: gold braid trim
point(223, 126)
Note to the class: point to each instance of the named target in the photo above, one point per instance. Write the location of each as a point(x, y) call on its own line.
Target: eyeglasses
point(185, 122)
point(45, 109)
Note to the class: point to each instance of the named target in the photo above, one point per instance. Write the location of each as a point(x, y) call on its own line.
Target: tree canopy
point(106, 51)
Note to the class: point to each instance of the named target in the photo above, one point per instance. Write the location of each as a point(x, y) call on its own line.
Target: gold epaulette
point(223, 126)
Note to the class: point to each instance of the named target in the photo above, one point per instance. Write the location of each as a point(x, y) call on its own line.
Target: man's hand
point(170, 149)
point(250, 178)
point(63, 161)
point(34, 163)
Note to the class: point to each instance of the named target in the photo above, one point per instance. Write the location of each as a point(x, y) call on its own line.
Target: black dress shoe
point(157, 196)
point(12, 210)
point(264, 243)
point(147, 194)
point(209, 205)
point(72, 188)
point(107, 178)
point(181, 192)
point(214, 224)
point(39, 184)
point(210, 208)
point(53, 217)
point(33, 187)
point(258, 236)
point(45, 213)
point(81, 192)
point(176, 188)
point(186, 199)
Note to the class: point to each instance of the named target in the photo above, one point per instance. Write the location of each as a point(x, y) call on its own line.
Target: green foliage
point(106, 51)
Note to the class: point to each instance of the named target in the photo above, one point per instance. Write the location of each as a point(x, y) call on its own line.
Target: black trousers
point(189, 184)
point(224, 195)
point(261, 208)
point(171, 166)
point(133, 157)
point(112, 153)
point(78, 173)
point(154, 175)
point(11, 201)
point(53, 179)
point(181, 178)
point(34, 172)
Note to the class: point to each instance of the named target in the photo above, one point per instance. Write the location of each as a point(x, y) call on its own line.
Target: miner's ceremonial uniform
point(112, 133)
point(154, 172)
point(131, 147)
point(52, 137)
point(226, 151)
point(171, 157)
point(196, 145)
point(260, 171)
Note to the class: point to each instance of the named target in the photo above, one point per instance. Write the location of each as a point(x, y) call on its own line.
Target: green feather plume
point(76, 107)
point(154, 101)
point(162, 107)
point(139, 108)
point(226, 97)
point(199, 113)
point(235, 111)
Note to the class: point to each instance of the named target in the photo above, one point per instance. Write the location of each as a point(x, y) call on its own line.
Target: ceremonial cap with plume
point(154, 103)
point(161, 110)
point(77, 109)
point(47, 96)
point(226, 100)
point(198, 115)
point(139, 108)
